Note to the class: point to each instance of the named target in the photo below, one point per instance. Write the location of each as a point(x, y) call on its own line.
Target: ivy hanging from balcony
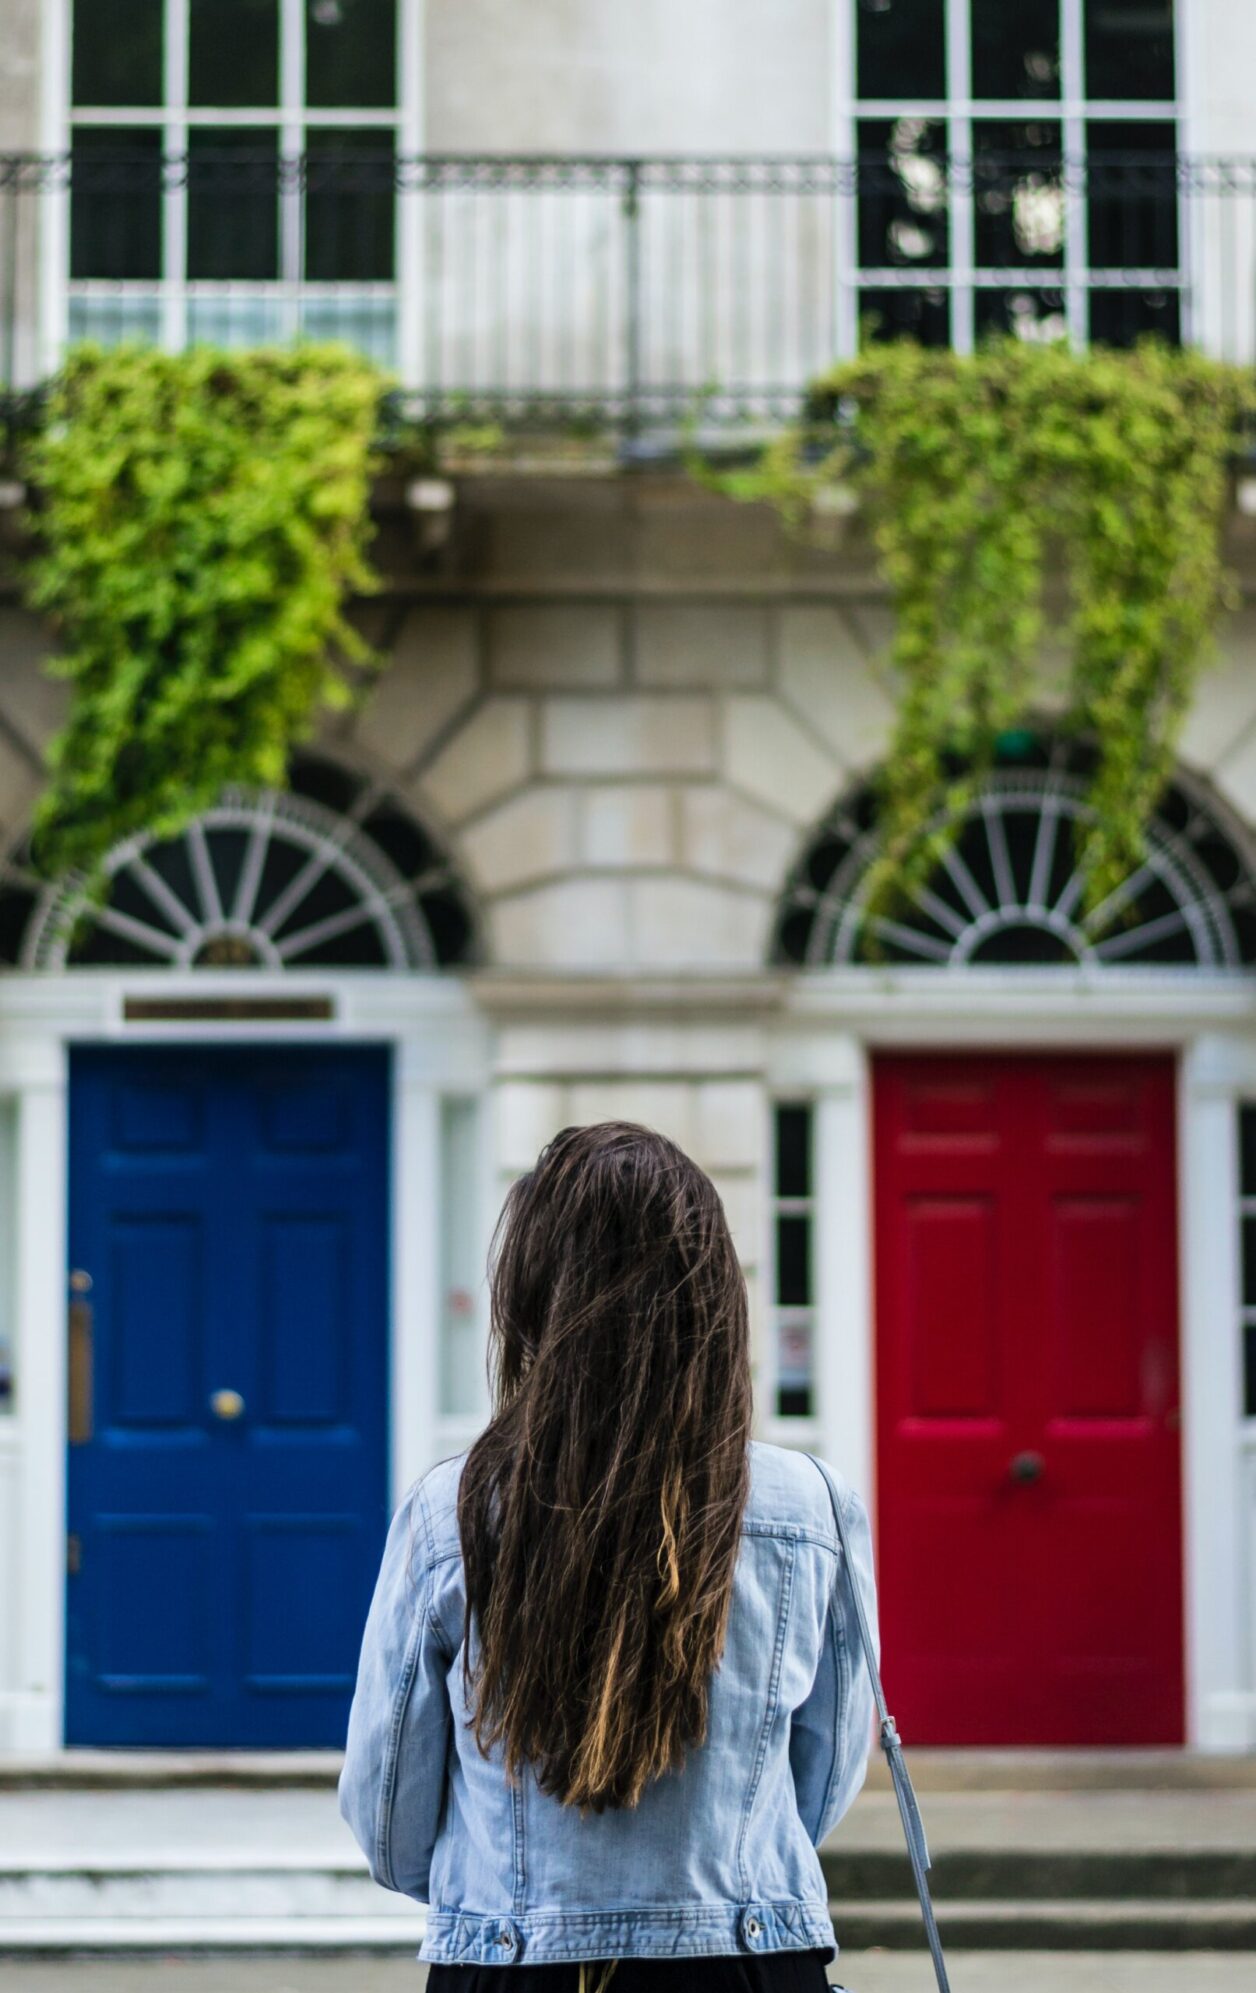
point(979, 476)
point(201, 520)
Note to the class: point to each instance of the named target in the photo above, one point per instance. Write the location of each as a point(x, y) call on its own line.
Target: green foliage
point(201, 520)
point(977, 475)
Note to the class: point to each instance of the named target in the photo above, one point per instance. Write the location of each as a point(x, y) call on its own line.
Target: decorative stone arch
point(1009, 893)
point(335, 872)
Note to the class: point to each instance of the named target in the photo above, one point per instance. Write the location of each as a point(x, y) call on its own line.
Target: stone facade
point(621, 704)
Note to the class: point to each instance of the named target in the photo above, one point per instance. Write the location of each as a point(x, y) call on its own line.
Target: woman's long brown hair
point(600, 1512)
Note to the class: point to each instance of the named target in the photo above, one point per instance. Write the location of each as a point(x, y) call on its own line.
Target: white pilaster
point(844, 1322)
point(1218, 1547)
point(30, 1711)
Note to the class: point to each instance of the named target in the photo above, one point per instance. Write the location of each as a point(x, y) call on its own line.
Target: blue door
point(228, 1486)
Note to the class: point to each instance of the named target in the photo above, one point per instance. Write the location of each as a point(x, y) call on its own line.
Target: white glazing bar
point(959, 145)
point(1192, 203)
point(53, 200)
point(1073, 133)
point(845, 320)
point(174, 200)
point(411, 74)
point(1132, 110)
point(291, 146)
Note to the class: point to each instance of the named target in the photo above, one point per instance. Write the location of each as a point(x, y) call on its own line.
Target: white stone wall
point(622, 708)
point(696, 1079)
point(722, 76)
point(625, 782)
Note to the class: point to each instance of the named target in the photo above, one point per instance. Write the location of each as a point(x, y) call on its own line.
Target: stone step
point(1140, 1926)
point(932, 1769)
point(1136, 1924)
point(1028, 1874)
point(147, 1771)
point(154, 1889)
point(185, 1937)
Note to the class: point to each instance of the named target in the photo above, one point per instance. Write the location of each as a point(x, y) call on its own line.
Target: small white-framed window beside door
point(1015, 170)
point(792, 1389)
point(232, 171)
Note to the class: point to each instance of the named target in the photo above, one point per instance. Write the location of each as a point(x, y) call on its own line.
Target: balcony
point(627, 293)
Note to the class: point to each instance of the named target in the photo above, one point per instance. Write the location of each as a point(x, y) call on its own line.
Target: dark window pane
point(349, 206)
point(900, 48)
point(351, 52)
point(924, 315)
point(233, 53)
point(1131, 178)
point(1247, 1151)
point(1038, 316)
point(1018, 194)
point(17, 904)
point(117, 52)
point(1249, 1371)
point(793, 1152)
point(233, 204)
point(794, 1401)
point(115, 204)
point(793, 1262)
point(1249, 1262)
point(902, 193)
point(1119, 318)
point(1016, 50)
point(1129, 48)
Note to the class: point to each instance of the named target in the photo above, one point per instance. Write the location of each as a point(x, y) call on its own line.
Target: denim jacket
point(717, 1857)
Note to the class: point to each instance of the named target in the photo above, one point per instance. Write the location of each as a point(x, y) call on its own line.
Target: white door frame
point(830, 1026)
point(440, 1048)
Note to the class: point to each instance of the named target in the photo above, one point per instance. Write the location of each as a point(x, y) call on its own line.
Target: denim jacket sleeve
point(831, 1733)
point(392, 1787)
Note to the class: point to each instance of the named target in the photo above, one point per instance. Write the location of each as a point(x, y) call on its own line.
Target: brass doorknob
point(226, 1404)
point(1027, 1467)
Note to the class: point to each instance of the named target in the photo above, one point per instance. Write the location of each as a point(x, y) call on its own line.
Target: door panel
point(230, 1210)
point(1028, 1455)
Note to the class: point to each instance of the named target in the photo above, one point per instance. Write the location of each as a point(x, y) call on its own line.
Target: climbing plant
point(979, 476)
point(200, 520)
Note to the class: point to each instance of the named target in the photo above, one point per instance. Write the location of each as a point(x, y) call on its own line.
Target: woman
point(611, 1695)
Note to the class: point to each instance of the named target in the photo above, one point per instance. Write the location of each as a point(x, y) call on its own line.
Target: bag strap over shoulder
point(909, 1811)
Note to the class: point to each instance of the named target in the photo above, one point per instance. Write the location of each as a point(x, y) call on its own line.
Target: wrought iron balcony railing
point(627, 291)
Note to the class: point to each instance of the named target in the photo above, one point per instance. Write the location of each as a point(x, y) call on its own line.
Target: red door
point(1028, 1474)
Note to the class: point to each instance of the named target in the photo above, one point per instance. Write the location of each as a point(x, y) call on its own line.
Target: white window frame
point(175, 118)
point(957, 111)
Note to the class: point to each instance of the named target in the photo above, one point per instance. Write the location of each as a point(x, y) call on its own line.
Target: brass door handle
point(80, 1362)
point(226, 1404)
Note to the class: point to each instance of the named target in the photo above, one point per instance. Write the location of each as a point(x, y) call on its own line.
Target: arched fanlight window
point(332, 873)
point(1009, 892)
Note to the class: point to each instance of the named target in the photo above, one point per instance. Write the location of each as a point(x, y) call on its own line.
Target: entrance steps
point(184, 1854)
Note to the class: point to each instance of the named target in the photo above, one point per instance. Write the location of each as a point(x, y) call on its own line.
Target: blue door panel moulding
point(231, 1210)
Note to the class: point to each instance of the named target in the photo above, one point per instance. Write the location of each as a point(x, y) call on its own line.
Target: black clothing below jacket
point(767, 1972)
